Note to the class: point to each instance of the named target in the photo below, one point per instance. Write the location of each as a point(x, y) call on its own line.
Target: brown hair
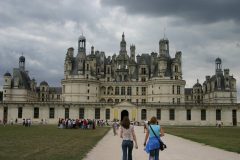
point(153, 120)
point(125, 122)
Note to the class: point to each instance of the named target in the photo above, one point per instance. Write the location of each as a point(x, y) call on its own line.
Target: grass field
point(227, 138)
point(47, 142)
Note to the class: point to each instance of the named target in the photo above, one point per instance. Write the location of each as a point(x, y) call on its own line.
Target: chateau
point(124, 84)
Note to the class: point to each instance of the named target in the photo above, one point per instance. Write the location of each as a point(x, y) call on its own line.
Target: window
point(66, 113)
point(178, 89)
point(108, 79)
point(178, 100)
point(143, 79)
point(159, 114)
point(116, 100)
point(122, 90)
point(218, 115)
point(36, 112)
point(81, 113)
point(19, 112)
point(58, 96)
point(143, 90)
point(188, 114)
point(176, 77)
point(107, 114)
point(87, 67)
point(137, 101)
point(203, 114)
point(129, 91)
point(51, 112)
point(88, 91)
point(137, 91)
point(173, 89)
point(108, 70)
point(97, 113)
point(143, 100)
point(117, 91)
point(143, 114)
point(176, 68)
point(171, 114)
point(173, 100)
point(143, 70)
point(88, 97)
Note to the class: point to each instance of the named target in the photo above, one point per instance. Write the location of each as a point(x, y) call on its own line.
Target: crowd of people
point(81, 123)
point(27, 122)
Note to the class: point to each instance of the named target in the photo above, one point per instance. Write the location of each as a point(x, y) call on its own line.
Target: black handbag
point(162, 145)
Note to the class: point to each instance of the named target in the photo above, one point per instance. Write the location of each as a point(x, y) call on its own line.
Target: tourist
point(153, 144)
point(145, 126)
point(128, 135)
point(115, 126)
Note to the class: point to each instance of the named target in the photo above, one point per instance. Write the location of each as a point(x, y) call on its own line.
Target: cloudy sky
point(43, 30)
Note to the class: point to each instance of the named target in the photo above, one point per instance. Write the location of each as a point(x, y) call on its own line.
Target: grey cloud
point(202, 11)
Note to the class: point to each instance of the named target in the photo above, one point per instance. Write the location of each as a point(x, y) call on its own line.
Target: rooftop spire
point(123, 36)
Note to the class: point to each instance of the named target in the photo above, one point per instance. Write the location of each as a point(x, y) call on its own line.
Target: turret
point(7, 80)
point(81, 57)
point(132, 52)
point(123, 45)
point(218, 64)
point(164, 47)
point(82, 44)
point(22, 63)
point(227, 79)
point(92, 50)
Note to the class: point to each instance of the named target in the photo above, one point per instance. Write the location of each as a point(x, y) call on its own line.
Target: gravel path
point(109, 148)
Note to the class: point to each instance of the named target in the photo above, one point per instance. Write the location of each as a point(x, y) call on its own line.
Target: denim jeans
point(127, 147)
point(154, 154)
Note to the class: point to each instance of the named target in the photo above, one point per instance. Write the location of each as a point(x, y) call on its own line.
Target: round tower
point(22, 63)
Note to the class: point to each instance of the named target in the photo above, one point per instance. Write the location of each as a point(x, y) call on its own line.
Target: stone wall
point(116, 110)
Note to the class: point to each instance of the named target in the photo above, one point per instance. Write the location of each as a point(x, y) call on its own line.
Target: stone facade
point(144, 78)
point(21, 88)
point(219, 88)
point(142, 86)
point(174, 114)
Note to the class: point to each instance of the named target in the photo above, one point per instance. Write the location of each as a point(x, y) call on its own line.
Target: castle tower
point(92, 50)
point(81, 57)
point(132, 52)
point(82, 44)
point(7, 80)
point(164, 47)
point(22, 63)
point(123, 45)
point(218, 64)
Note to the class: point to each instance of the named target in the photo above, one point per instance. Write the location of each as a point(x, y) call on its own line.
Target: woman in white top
point(128, 135)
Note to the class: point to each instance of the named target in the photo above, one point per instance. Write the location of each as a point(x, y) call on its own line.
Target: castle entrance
point(124, 113)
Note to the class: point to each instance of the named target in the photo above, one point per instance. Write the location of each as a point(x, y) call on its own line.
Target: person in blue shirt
point(153, 140)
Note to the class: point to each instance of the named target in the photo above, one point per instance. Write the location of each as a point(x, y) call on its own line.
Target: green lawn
point(47, 142)
point(227, 138)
